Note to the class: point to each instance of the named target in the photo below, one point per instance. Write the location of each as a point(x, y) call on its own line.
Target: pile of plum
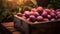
point(40, 14)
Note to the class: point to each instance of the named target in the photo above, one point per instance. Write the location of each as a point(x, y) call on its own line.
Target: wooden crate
point(26, 27)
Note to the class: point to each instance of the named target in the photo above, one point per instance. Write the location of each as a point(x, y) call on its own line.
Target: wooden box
point(52, 27)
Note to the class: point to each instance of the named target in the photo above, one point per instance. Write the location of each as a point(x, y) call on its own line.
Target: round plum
point(57, 13)
point(58, 16)
point(44, 14)
point(40, 10)
point(48, 11)
point(36, 14)
point(39, 18)
point(32, 18)
point(53, 15)
point(27, 15)
point(53, 11)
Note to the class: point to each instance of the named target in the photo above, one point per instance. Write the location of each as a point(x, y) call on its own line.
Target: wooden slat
point(8, 24)
point(10, 27)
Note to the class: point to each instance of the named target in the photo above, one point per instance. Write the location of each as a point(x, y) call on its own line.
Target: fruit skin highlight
point(49, 17)
point(45, 19)
point(39, 18)
point(53, 19)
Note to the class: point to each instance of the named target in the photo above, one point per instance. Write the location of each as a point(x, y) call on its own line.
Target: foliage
point(8, 11)
point(55, 4)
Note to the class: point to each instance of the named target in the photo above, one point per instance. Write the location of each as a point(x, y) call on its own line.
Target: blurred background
point(8, 8)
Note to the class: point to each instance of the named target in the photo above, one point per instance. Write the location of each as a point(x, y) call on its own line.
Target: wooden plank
point(10, 27)
point(8, 24)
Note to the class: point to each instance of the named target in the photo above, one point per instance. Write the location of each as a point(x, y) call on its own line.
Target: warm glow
point(9, 0)
point(20, 2)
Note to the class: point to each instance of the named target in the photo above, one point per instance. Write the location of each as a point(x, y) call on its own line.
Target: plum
point(39, 18)
point(57, 13)
point(27, 15)
point(58, 16)
point(53, 15)
point(19, 14)
point(48, 11)
point(53, 11)
point(36, 14)
point(40, 10)
point(49, 17)
point(32, 18)
point(44, 14)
